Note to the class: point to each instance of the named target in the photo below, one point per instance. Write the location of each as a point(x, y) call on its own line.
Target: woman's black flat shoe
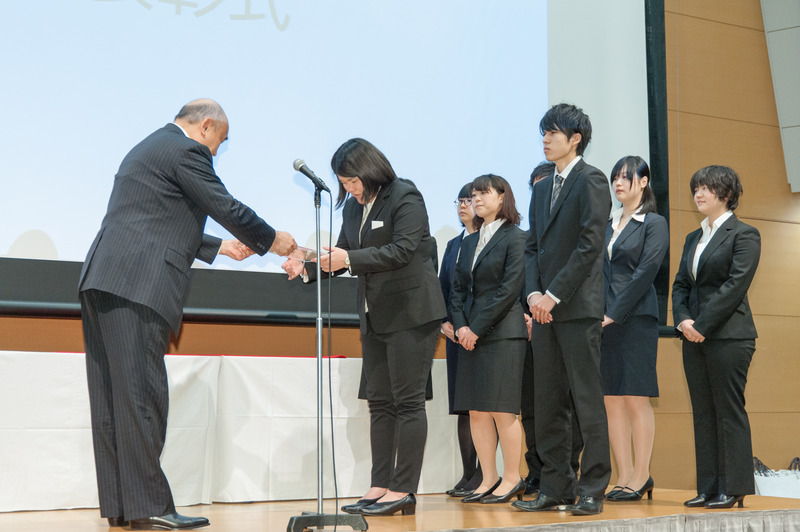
point(635, 495)
point(356, 507)
point(698, 501)
point(407, 505)
point(518, 491)
point(725, 501)
point(476, 497)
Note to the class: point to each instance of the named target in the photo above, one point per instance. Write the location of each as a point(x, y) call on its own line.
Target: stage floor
point(434, 513)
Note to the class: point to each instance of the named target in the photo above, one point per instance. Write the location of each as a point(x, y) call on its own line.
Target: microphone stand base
point(302, 523)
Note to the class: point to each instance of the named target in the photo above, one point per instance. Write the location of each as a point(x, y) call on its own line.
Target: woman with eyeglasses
point(471, 476)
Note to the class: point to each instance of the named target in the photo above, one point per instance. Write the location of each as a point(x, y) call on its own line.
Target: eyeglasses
point(462, 201)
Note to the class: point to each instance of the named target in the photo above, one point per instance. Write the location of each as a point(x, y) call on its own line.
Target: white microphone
point(300, 166)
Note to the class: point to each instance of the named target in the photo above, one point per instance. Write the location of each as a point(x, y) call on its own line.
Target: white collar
point(568, 168)
point(616, 215)
point(184, 131)
point(717, 223)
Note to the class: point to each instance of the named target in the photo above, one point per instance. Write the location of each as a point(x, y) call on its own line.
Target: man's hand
point(607, 320)
point(447, 330)
point(234, 249)
point(529, 325)
point(334, 260)
point(283, 244)
point(690, 333)
point(294, 264)
point(540, 307)
point(467, 338)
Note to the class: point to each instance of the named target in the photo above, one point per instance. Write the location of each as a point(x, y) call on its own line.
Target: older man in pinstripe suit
point(132, 290)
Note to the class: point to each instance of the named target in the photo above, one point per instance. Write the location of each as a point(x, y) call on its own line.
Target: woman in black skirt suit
point(471, 476)
point(711, 311)
point(490, 327)
point(637, 239)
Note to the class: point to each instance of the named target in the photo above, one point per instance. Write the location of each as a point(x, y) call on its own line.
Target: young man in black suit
point(564, 283)
point(132, 289)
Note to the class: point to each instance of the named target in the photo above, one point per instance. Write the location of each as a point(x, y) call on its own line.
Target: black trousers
point(716, 372)
point(566, 361)
point(526, 418)
point(128, 396)
point(396, 368)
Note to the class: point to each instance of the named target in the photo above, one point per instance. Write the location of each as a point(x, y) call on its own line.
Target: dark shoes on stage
point(715, 502)
point(356, 507)
point(628, 494)
point(466, 487)
point(407, 505)
point(544, 502)
point(173, 521)
point(531, 485)
point(587, 506)
point(517, 491)
point(476, 497)
point(117, 521)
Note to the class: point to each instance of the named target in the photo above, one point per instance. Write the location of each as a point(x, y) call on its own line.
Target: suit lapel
point(719, 237)
point(380, 201)
point(501, 234)
point(627, 231)
point(691, 251)
point(569, 183)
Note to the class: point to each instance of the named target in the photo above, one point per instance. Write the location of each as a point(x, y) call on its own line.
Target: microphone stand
point(310, 519)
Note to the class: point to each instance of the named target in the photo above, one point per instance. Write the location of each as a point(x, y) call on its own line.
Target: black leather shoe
point(117, 521)
point(407, 505)
point(698, 501)
point(725, 501)
point(543, 502)
point(173, 521)
point(587, 506)
point(517, 491)
point(531, 485)
point(461, 493)
point(476, 497)
point(356, 507)
point(627, 494)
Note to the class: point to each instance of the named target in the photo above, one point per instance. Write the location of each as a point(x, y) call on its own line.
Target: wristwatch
point(347, 261)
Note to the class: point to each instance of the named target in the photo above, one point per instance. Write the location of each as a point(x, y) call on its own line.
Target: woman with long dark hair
point(637, 239)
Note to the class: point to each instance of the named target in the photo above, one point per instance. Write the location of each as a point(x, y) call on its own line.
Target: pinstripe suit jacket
point(153, 229)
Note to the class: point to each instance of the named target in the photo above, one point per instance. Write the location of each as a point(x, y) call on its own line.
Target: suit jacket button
point(541, 252)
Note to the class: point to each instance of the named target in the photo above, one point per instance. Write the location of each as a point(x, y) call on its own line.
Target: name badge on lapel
point(376, 224)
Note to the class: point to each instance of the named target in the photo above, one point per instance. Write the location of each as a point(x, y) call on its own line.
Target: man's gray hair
point(198, 110)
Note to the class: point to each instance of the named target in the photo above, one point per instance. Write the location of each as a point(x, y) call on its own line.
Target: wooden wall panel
point(674, 394)
point(753, 150)
point(672, 465)
point(65, 334)
point(745, 13)
point(721, 110)
point(723, 71)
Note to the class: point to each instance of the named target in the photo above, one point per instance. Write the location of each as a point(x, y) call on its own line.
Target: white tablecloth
point(240, 429)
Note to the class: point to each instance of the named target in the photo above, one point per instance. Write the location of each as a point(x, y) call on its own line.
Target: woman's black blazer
point(717, 299)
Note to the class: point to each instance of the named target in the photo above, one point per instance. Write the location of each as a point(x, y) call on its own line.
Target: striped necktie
point(557, 184)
